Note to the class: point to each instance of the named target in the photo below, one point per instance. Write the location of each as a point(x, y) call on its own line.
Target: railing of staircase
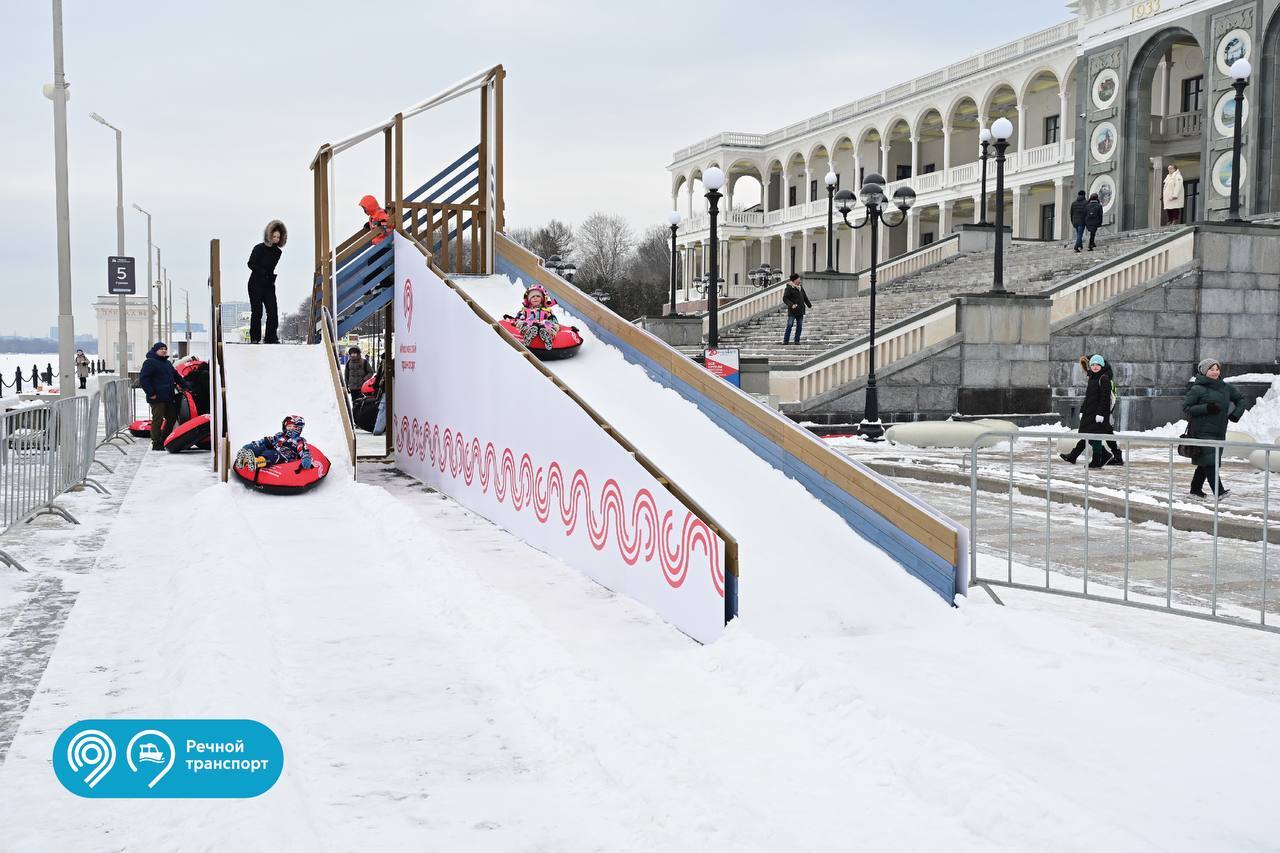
point(771, 298)
point(1101, 283)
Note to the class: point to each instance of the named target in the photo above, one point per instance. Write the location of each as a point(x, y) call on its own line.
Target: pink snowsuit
point(537, 322)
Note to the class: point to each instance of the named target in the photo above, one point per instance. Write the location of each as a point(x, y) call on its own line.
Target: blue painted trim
point(365, 311)
point(474, 152)
point(917, 558)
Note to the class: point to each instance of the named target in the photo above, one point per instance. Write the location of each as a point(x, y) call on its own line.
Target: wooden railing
point(452, 232)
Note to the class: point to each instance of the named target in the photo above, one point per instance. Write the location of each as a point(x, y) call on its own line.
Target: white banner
point(479, 423)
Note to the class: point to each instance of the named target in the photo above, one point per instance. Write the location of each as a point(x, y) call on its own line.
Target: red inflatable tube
point(286, 478)
point(193, 433)
point(565, 345)
point(140, 428)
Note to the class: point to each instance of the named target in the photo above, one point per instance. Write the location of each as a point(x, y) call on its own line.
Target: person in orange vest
point(378, 222)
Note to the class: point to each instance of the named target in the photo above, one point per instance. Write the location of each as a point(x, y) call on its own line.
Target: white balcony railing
point(927, 182)
point(1043, 155)
point(966, 174)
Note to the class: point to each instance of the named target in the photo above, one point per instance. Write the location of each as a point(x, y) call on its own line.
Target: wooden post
point(399, 128)
point(387, 161)
point(326, 250)
point(499, 199)
point(458, 244)
point(483, 247)
point(215, 346)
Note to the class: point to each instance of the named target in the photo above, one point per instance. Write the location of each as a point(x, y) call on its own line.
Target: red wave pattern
point(639, 534)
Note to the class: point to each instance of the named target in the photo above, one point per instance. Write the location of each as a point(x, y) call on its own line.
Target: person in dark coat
point(1093, 219)
point(1095, 415)
point(355, 372)
point(796, 300)
point(262, 281)
point(160, 383)
point(1208, 405)
point(1079, 212)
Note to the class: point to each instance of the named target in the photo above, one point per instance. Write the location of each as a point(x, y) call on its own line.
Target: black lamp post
point(985, 137)
point(878, 213)
point(713, 180)
point(1240, 70)
point(831, 180)
point(564, 269)
point(1002, 129)
point(674, 219)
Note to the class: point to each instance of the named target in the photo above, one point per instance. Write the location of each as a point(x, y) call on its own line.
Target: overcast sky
point(224, 104)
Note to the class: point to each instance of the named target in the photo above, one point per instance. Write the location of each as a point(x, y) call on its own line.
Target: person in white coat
point(1174, 199)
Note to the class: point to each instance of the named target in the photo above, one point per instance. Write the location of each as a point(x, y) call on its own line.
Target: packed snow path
point(439, 685)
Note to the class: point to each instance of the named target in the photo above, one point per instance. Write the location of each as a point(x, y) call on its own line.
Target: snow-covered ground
point(439, 685)
point(447, 687)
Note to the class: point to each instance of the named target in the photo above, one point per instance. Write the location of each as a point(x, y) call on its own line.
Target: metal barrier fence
point(117, 412)
point(1147, 542)
point(46, 449)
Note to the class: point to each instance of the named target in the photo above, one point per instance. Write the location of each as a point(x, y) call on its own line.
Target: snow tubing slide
point(286, 478)
point(565, 345)
point(192, 433)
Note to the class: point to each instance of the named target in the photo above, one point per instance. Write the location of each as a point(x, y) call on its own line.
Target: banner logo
point(408, 305)
point(93, 749)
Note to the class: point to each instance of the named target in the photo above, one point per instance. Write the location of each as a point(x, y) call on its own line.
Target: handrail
point(744, 310)
point(1083, 291)
point(731, 543)
point(457, 90)
point(344, 402)
point(941, 537)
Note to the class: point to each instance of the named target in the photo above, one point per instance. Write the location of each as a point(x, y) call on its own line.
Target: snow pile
point(1263, 420)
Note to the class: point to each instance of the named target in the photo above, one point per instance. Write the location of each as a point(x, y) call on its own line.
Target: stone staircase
point(1029, 267)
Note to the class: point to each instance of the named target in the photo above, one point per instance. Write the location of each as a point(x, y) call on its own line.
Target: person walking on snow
point(355, 372)
point(1093, 219)
point(160, 383)
point(1100, 399)
point(1208, 405)
point(535, 319)
point(262, 281)
point(288, 445)
point(1079, 211)
point(796, 300)
point(82, 367)
point(1174, 197)
point(378, 222)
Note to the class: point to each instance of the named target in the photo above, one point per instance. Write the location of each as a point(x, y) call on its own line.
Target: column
point(764, 194)
point(915, 156)
point(1020, 130)
point(884, 244)
point(808, 180)
point(884, 161)
point(913, 229)
point(689, 187)
point(946, 153)
point(977, 205)
point(854, 182)
point(1060, 208)
point(783, 194)
point(1020, 196)
point(945, 223)
point(1155, 209)
point(806, 237)
point(1063, 106)
point(766, 246)
point(728, 199)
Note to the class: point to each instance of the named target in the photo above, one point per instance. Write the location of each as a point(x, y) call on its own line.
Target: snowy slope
point(803, 570)
point(265, 383)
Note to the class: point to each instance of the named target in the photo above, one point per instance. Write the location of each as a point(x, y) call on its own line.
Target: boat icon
point(150, 752)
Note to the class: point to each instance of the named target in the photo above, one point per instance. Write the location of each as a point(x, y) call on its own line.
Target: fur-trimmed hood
point(275, 225)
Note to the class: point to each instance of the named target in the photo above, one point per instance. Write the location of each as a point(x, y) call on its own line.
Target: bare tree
point(554, 238)
point(605, 243)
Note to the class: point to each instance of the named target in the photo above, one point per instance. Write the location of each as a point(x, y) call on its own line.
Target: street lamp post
point(878, 213)
point(66, 321)
point(1002, 129)
point(674, 219)
point(562, 268)
point(985, 137)
point(123, 360)
point(159, 299)
point(1240, 72)
point(188, 323)
point(713, 180)
point(150, 329)
point(831, 180)
point(168, 301)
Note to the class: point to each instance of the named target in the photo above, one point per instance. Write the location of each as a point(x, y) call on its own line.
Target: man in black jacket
point(1079, 209)
point(1093, 218)
point(796, 300)
point(160, 383)
point(262, 281)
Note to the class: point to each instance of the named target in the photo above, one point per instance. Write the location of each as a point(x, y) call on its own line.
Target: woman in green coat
point(1208, 406)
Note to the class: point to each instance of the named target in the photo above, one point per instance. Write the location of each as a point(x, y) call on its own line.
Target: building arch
point(1039, 73)
point(1266, 181)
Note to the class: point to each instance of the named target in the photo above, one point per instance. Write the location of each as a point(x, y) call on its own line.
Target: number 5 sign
point(120, 278)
